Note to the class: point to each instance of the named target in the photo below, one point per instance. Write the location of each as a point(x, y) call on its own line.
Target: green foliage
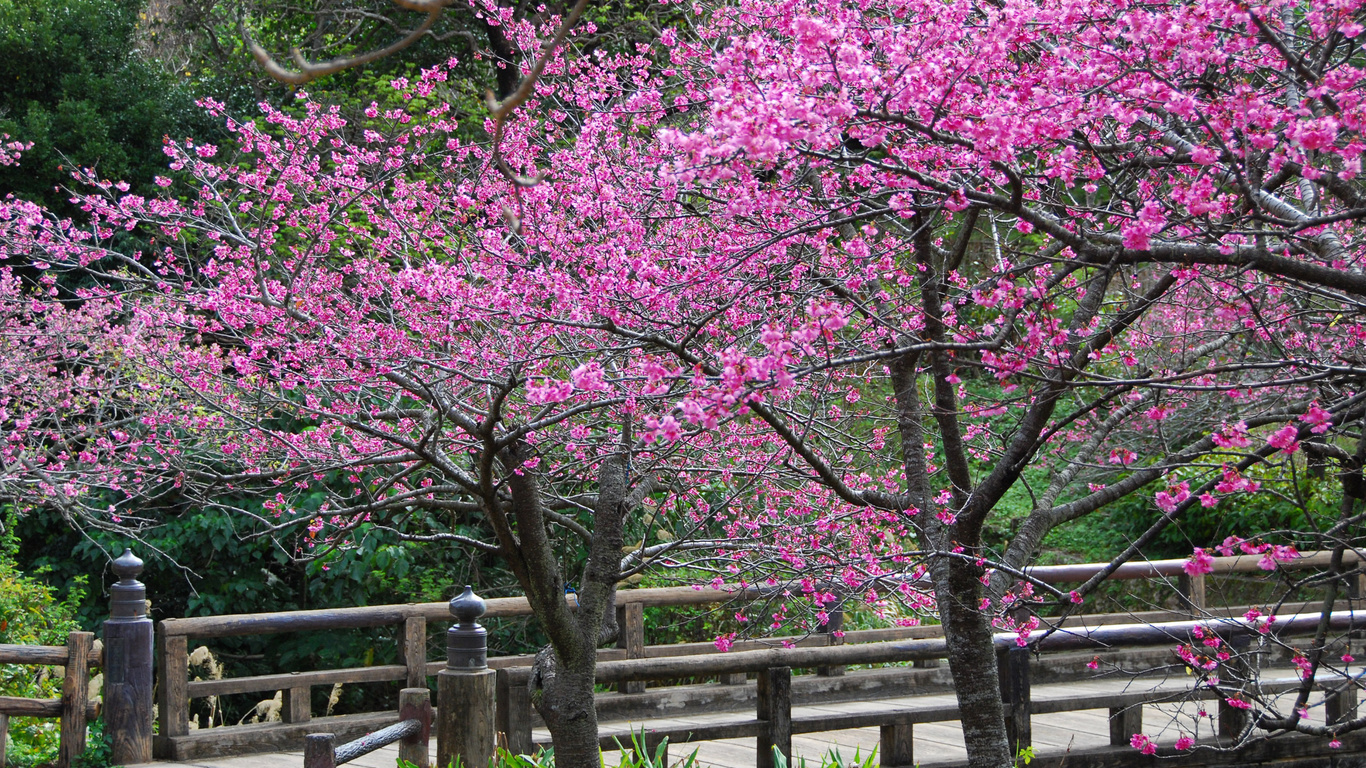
point(99, 748)
point(72, 82)
point(31, 614)
point(201, 562)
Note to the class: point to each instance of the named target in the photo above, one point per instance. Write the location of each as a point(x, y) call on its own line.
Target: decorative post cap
point(128, 566)
point(466, 641)
point(467, 607)
point(128, 596)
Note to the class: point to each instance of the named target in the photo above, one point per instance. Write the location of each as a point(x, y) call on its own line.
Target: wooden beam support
point(833, 628)
point(775, 716)
point(631, 638)
point(412, 651)
point(1013, 668)
point(896, 746)
point(75, 697)
point(320, 750)
point(1124, 723)
point(297, 705)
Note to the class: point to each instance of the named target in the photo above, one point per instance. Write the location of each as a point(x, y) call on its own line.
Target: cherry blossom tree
point(807, 286)
point(1116, 243)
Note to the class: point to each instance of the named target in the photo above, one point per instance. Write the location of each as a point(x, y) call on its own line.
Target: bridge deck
point(935, 743)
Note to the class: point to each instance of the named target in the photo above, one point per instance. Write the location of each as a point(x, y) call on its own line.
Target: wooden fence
point(176, 741)
point(126, 661)
point(74, 708)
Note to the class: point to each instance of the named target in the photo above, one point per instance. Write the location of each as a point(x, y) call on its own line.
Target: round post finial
point(467, 607)
point(128, 566)
point(128, 596)
point(466, 641)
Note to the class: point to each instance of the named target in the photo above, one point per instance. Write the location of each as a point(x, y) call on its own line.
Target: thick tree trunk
point(972, 663)
point(564, 698)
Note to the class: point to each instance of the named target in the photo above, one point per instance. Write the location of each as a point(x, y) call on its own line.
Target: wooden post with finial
point(465, 688)
point(128, 666)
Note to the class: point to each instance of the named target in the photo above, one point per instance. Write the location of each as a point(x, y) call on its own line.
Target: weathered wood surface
point(471, 731)
point(416, 704)
point(1120, 635)
point(196, 689)
point(17, 707)
point(75, 697)
point(11, 706)
point(45, 655)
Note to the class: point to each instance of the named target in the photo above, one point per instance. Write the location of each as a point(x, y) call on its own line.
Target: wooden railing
point(74, 708)
point(773, 724)
point(175, 740)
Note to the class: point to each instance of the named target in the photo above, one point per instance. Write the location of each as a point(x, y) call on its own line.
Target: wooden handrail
point(1108, 636)
point(233, 625)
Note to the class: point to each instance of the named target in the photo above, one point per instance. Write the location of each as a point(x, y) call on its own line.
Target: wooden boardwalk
point(1054, 734)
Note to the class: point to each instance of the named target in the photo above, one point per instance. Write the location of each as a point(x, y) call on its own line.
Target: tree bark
point(958, 591)
point(563, 695)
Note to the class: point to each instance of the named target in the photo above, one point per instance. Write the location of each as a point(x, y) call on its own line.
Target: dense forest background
point(100, 84)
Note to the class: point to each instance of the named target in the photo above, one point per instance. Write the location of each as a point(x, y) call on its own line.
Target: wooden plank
point(13, 706)
point(412, 651)
point(1124, 723)
point(380, 615)
point(297, 705)
point(516, 713)
point(775, 716)
point(75, 697)
point(4, 738)
point(1013, 670)
point(198, 689)
point(416, 704)
point(631, 638)
point(896, 746)
point(1191, 588)
point(1340, 704)
point(173, 676)
point(44, 655)
point(320, 750)
point(833, 628)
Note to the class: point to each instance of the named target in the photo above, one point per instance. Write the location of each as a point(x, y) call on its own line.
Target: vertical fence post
point(1237, 671)
point(416, 704)
point(465, 689)
point(775, 710)
point(1340, 705)
point(1013, 668)
point(1192, 589)
point(320, 750)
point(513, 711)
point(412, 650)
point(631, 636)
point(896, 745)
point(1124, 723)
point(297, 704)
point(4, 738)
point(833, 627)
point(173, 704)
point(75, 697)
point(128, 666)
